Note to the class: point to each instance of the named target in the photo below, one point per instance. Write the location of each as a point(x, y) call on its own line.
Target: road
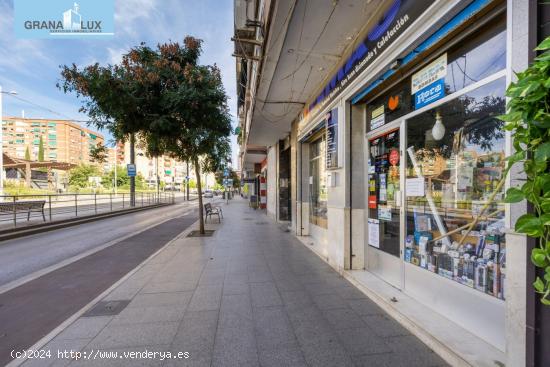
point(24, 256)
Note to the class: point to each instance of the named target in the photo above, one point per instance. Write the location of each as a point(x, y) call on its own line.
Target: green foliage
point(99, 153)
point(528, 118)
point(192, 184)
point(122, 179)
point(173, 104)
point(41, 150)
point(79, 176)
point(27, 153)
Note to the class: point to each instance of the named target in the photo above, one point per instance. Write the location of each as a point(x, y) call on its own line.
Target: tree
point(165, 98)
point(80, 175)
point(27, 154)
point(99, 153)
point(41, 150)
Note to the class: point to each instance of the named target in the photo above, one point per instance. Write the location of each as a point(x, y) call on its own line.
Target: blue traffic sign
point(131, 169)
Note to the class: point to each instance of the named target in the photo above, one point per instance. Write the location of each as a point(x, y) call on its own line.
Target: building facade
point(62, 140)
point(373, 126)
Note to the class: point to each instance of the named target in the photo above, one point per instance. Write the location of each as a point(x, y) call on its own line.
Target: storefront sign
point(374, 232)
point(400, 15)
point(377, 118)
point(415, 186)
point(429, 94)
point(436, 70)
point(332, 139)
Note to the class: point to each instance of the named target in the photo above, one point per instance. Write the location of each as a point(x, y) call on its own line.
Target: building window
point(457, 169)
point(318, 182)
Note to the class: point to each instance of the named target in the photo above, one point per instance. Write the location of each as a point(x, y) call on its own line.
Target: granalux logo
point(52, 19)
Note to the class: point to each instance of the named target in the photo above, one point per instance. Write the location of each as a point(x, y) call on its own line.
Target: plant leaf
point(530, 225)
point(539, 285)
point(538, 257)
point(514, 195)
point(543, 151)
point(544, 45)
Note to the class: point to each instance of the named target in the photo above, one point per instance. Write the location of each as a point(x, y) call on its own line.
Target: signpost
point(131, 169)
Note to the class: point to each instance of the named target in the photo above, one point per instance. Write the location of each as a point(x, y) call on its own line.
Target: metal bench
point(14, 207)
point(209, 211)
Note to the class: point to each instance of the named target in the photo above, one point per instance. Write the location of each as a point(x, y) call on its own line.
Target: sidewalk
point(251, 295)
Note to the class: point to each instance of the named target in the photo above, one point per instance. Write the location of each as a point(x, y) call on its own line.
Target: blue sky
point(31, 66)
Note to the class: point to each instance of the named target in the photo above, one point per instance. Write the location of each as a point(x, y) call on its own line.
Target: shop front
point(434, 180)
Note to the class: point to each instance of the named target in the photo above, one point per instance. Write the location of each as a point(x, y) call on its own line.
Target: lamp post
point(2, 142)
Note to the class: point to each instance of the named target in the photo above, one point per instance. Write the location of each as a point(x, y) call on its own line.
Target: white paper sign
point(414, 186)
point(437, 69)
point(377, 118)
point(384, 213)
point(374, 233)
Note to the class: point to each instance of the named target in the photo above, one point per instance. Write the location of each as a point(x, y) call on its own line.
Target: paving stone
point(235, 347)
point(265, 294)
point(206, 298)
point(273, 329)
point(137, 315)
point(343, 318)
point(135, 335)
point(161, 299)
point(365, 307)
point(385, 326)
point(282, 357)
point(169, 286)
point(328, 301)
point(296, 299)
point(84, 327)
point(360, 341)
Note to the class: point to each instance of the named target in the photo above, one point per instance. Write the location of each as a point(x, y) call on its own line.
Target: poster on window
point(374, 232)
point(332, 139)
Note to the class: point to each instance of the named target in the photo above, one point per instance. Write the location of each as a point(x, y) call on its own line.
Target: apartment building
point(62, 140)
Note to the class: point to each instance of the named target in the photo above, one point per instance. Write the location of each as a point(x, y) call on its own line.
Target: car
point(208, 194)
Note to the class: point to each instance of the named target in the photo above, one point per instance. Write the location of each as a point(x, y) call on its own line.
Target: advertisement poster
point(436, 70)
point(332, 139)
point(377, 118)
point(374, 233)
point(414, 186)
point(382, 194)
point(384, 213)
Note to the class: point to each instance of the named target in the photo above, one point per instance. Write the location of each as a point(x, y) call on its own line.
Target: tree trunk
point(199, 191)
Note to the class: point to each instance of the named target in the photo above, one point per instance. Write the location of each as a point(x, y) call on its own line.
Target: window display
point(318, 182)
point(384, 193)
point(456, 152)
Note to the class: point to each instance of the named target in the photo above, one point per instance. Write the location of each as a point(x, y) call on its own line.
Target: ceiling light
point(438, 130)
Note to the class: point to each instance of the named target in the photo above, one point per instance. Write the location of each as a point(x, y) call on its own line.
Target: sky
point(31, 67)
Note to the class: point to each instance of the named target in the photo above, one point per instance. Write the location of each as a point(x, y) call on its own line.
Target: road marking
point(37, 274)
point(65, 324)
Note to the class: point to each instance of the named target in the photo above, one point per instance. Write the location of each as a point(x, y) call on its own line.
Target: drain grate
point(107, 308)
point(207, 233)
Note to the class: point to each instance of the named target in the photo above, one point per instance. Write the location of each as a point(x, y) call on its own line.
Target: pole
point(1, 149)
point(132, 179)
point(187, 180)
point(158, 178)
point(116, 163)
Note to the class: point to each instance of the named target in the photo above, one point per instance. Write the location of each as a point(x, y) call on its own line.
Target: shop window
point(481, 56)
point(318, 183)
point(455, 160)
point(384, 189)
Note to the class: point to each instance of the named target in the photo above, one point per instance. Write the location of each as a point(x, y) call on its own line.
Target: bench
point(24, 206)
point(209, 211)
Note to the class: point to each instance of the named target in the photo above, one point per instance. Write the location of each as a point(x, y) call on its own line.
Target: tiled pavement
point(251, 295)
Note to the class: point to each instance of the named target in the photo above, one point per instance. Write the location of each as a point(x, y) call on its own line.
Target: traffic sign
point(131, 169)
point(226, 172)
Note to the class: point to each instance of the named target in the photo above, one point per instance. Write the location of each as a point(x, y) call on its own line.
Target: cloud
point(129, 12)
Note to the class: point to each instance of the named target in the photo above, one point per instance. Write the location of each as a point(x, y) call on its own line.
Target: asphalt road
point(24, 256)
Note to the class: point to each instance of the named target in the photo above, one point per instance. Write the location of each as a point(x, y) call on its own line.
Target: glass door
point(385, 207)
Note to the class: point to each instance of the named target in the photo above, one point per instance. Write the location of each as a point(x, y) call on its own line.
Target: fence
point(17, 210)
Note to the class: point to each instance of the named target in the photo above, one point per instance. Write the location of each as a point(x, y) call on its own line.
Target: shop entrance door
point(384, 218)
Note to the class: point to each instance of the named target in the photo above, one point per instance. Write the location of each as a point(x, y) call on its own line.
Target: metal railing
point(32, 209)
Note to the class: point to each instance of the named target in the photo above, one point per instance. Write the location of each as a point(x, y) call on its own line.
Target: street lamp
point(2, 142)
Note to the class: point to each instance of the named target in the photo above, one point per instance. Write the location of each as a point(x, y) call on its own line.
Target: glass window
point(384, 188)
point(455, 161)
point(318, 182)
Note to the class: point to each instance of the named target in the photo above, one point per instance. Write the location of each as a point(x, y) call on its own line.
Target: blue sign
point(429, 94)
point(131, 168)
point(83, 19)
point(332, 139)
